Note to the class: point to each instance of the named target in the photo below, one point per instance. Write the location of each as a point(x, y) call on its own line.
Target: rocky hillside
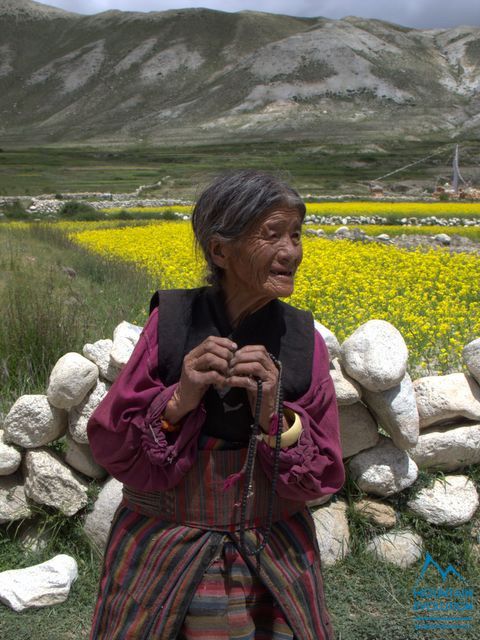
point(197, 74)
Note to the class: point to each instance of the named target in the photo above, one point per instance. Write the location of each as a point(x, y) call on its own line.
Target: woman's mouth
point(288, 273)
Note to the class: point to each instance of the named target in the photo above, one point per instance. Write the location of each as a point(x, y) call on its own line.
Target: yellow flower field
point(382, 208)
point(353, 208)
point(430, 297)
point(177, 208)
point(397, 230)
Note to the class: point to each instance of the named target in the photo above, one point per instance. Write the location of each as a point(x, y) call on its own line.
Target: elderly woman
point(222, 426)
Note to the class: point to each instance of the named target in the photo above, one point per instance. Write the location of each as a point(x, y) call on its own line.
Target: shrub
point(124, 214)
point(78, 210)
point(169, 214)
point(14, 210)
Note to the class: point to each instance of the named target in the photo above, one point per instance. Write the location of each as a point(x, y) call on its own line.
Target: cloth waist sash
point(200, 500)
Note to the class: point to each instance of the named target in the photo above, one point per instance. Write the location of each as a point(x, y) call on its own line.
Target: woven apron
point(174, 567)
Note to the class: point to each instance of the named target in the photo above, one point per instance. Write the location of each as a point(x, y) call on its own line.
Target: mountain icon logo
point(450, 570)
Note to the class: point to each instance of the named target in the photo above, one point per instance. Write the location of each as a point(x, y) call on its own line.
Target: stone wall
point(391, 427)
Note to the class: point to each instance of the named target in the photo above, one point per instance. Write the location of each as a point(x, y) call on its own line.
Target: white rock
point(80, 458)
point(471, 358)
point(40, 585)
point(127, 330)
point(396, 411)
point(13, 501)
point(402, 548)
point(384, 469)
point(332, 531)
point(449, 398)
point(121, 352)
point(447, 448)
point(377, 512)
point(49, 481)
point(375, 355)
point(98, 521)
point(78, 416)
point(125, 338)
point(71, 379)
point(443, 238)
point(33, 421)
point(99, 353)
point(10, 458)
point(451, 501)
point(358, 429)
point(346, 389)
point(330, 338)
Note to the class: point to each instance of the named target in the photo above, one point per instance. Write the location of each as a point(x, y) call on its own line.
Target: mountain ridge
point(188, 75)
point(31, 9)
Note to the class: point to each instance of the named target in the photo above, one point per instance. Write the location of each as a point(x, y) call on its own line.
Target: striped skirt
point(165, 580)
point(162, 580)
point(232, 604)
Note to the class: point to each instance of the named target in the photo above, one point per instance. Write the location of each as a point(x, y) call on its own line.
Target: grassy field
point(312, 167)
point(45, 313)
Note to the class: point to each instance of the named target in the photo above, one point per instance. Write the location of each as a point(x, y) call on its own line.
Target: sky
point(420, 14)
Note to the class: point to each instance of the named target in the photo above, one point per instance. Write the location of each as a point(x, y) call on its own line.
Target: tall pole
point(456, 171)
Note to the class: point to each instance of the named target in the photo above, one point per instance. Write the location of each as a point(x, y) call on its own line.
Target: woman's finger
point(211, 362)
point(206, 378)
point(223, 347)
point(253, 353)
point(254, 369)
point(245, 382)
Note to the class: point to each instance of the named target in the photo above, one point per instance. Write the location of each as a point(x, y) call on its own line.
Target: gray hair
point(232, 203)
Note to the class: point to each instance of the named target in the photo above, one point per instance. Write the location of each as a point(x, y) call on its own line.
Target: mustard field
point(400, 209)
point(356, 208)
point(432, 296)
point(473, 233)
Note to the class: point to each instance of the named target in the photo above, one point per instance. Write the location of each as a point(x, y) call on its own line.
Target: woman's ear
point(218, 255)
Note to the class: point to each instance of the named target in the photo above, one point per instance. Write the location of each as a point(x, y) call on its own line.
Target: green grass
point(311, 166)
point(71, 619)
point(44, 313)
point(371, 600)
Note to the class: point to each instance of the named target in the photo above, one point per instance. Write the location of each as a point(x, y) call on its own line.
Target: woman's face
point(262, 264)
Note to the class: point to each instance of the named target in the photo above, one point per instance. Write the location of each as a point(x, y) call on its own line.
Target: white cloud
point(414, 13)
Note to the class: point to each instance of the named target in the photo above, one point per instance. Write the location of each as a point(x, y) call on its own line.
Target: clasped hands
point(218, 361)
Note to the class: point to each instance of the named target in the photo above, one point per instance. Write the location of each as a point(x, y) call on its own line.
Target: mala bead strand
point(250, 462)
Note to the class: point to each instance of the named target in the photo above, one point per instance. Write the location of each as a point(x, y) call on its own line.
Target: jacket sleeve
point(124, 430)
point(312, 467)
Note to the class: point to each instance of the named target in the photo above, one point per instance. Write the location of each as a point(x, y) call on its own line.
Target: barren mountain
point(197, 74)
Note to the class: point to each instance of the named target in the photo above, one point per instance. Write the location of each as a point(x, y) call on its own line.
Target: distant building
point(376, 190)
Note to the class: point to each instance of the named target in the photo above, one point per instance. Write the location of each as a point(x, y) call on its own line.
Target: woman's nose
point(289, 249)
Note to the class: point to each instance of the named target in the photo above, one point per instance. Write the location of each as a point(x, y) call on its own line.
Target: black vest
point(187, 316)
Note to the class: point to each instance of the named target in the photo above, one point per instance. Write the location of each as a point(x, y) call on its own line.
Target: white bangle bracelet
point(288, 437)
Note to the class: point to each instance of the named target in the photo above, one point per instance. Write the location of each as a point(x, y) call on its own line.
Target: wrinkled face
point(263, 263)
